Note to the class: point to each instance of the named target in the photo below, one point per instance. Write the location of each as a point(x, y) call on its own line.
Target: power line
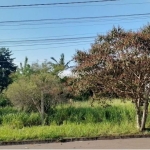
point(35, 28)
point(58, 43)
point(72, 19)
point(54, 40)
point(79, 21)
point(41, 39)
point(48, 40)
point(52, 4)
point(41, 44)
point(86, 42)
point(116, 4)
point(45, 48)
point(59, 36)
point(82, 5)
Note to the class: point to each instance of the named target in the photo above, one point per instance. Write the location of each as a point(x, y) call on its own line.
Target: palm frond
point(54, 59)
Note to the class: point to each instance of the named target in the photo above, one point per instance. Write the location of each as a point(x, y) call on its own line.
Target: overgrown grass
point(64, 114)
point(79, 115)
point(70, 120)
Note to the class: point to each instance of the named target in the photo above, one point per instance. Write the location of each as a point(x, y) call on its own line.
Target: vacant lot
point(77, 120)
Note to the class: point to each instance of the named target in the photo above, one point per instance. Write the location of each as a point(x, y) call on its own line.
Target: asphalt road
point(135, 143)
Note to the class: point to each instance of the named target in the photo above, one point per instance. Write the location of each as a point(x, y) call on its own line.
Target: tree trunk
point(138, 119)
point(42, 107)
point(144, 115)
point(37, 106)
point(138, 114)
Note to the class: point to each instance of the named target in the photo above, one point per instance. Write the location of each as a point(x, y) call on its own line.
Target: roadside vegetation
point(77, 120)
point(108, 94)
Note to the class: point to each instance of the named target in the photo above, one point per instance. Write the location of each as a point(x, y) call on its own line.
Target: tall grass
point(76, 120)
point(78, 113)
point(21, 119)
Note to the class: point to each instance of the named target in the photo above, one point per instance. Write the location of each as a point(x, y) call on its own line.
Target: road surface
point(135, 143)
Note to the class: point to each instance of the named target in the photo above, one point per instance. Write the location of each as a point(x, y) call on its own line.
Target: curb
point(73, 139)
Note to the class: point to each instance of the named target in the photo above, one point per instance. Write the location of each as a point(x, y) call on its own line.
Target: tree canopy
point(25, 93)
point(6, 68)
point(118, 62)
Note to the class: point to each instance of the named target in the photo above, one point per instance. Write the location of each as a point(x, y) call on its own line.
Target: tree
point(6, 68)
point(27, 69)
point(23, 70)
point(60, 65)
point(39, 92)
point(43, 67)
point(146, 29)
point(118, 63)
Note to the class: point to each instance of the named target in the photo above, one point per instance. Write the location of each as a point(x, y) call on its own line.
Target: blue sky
point(42, 51)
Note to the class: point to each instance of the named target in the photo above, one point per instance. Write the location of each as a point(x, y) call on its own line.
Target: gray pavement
point(134, 143)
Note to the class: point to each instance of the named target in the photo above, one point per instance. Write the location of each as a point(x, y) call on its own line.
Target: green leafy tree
point(25, 69)
point(39, 92)
point(6, 68)
point(22, 70)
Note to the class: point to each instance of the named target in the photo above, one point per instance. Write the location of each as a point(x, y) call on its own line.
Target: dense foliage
point(26, 92)
point(6, 68)
point(118, 63)
point(66, 114)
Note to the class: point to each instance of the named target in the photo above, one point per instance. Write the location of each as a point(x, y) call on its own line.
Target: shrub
point(4, 101)
point(26, 92)
point(16, 124)
point(7, 110)
point(22, 119)
point(34, 119)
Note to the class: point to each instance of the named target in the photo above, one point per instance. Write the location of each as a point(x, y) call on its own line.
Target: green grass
point(80, 112)
point(76, 120)
point(69, 130)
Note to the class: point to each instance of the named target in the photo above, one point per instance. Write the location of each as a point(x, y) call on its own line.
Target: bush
point(16, 124)
point(7, 110)
point(4, 101)
point(34, 119)
point(26, 92)
point(21, 119)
